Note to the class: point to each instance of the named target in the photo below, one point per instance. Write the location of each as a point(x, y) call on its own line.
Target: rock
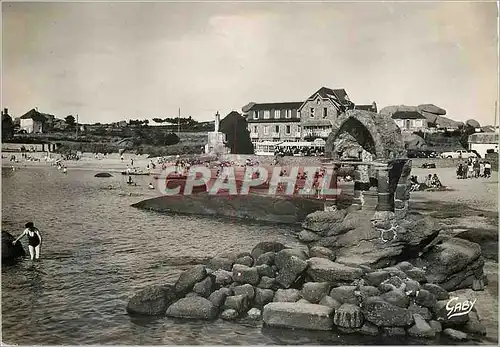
point(404, 266)
point(474, 326)
point(284, 255)
point(291, 269)
point(11, 253)
point(455, 334)
point(348, 316)
point(421, 328)
point(265, 247)
point(397, 298)
point(439, 293)
point(441, 314)
point(417, 274)
point(188, 279)
point(219, 263)
point(323, 221)
point(369, 329)
point(300, 316)
point(452, 261)
point(266, 282)
point(344, 294)
point(393, 283)
point(375, 278)
point(229, 314)
point(436, 326)
point(411, 287)
point(245, 260)
point(395, 272)
point(303, 301)
point(425, 298)
point(194, 307)
point(308, 236)
point(254, 313)
point(263, 297)
point(286, 295)
point(422, 311)
point(152, 300)
point(245, 289)
point(223, 277)
point(433, 109)
point(218, 297)
point(237, 302)
point(477, 285)
point(321, 252)
point(265, 270)
point(205, 287)
point(315, 291)
point(393, 331)
point(103, 174)
point(324, 270)
point(245, 274)
point(367, 291)
point(266, 259)
point(191, 294)
point(381, 313)
point(330, 302)
point(350, 222)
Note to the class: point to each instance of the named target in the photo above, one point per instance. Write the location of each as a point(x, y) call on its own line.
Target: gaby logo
point(456, 308)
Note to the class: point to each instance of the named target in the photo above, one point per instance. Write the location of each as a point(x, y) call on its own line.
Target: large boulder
point(292, 268)
point(323, 221)
point(453, 263)
point(194, 307)
point(383, 314)
point(11, 252)
point(265, 247)
point(348, 316)
point(324, 270)
point(152, 301)
point(298, 316)
point(189, 278)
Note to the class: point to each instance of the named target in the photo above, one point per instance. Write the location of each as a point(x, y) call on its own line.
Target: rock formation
point(299, 289)
point(433, 114)
point(10, 252)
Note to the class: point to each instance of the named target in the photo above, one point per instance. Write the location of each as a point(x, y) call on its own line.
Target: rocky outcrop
point(290, 289)
point(10, 252)
point(433, 114)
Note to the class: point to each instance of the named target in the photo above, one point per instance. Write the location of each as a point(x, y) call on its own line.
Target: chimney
point(217, 121)
point(5, 111)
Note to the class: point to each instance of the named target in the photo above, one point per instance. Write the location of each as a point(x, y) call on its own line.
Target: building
point(410, 121)
point(483, 142)
point(216, 140)
point(370, 108)
point(34, 121)
point(320, 111)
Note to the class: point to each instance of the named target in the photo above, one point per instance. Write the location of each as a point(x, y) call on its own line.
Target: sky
point(117, 61)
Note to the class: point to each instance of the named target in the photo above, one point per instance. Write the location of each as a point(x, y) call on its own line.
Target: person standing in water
point(34, 240)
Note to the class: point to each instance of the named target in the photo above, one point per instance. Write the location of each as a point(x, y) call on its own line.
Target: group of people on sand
point(474, 168)
point(431, 181)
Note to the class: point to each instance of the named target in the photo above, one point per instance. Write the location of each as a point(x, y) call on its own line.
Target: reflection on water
point(98, 251)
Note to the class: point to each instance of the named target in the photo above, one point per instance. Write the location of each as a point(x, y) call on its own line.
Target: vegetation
point(238, 139)
point(7, 127)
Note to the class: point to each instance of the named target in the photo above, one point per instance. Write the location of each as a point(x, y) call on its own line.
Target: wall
point(294, 127)
point(481, 148)
point(305, 112)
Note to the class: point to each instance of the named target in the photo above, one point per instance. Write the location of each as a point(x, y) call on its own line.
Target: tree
point(465, 131)
point(158, 120)
point(7, 127)
point(237, 135)
point(70, 120)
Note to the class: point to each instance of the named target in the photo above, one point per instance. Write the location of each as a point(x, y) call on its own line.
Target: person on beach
point(487, 169)
point(151, 186)
point(65, 170)
point(34, 240)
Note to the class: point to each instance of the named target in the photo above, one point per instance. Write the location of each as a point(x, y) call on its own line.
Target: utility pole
point(77, 126)
point(179, 122)
point(496, 115)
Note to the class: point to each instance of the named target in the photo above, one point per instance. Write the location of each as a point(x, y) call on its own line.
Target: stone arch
point(376, 133)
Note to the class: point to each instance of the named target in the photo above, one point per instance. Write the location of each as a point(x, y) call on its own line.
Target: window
point(267, 114)
point(312, 112)
point(255, 114)
point(276, 128)
point(288, 129)
point(288, 113)
point(277, 114)
point(325, 112)
point(255, 128)
point(266, 129)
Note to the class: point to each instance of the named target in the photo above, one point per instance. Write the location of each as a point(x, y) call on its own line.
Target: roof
point(35, 115)
point(407, 115)
point(364, 107)
point(276, 106)
point(484, 138)
point(328, 93)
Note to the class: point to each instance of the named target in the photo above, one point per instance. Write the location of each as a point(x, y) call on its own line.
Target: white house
point(32, 121)
point(482, 142)
point(410, 121)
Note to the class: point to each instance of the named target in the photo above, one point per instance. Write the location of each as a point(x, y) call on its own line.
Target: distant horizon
point(111, 61)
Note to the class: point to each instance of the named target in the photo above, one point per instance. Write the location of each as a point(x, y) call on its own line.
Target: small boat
point(136, 173)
